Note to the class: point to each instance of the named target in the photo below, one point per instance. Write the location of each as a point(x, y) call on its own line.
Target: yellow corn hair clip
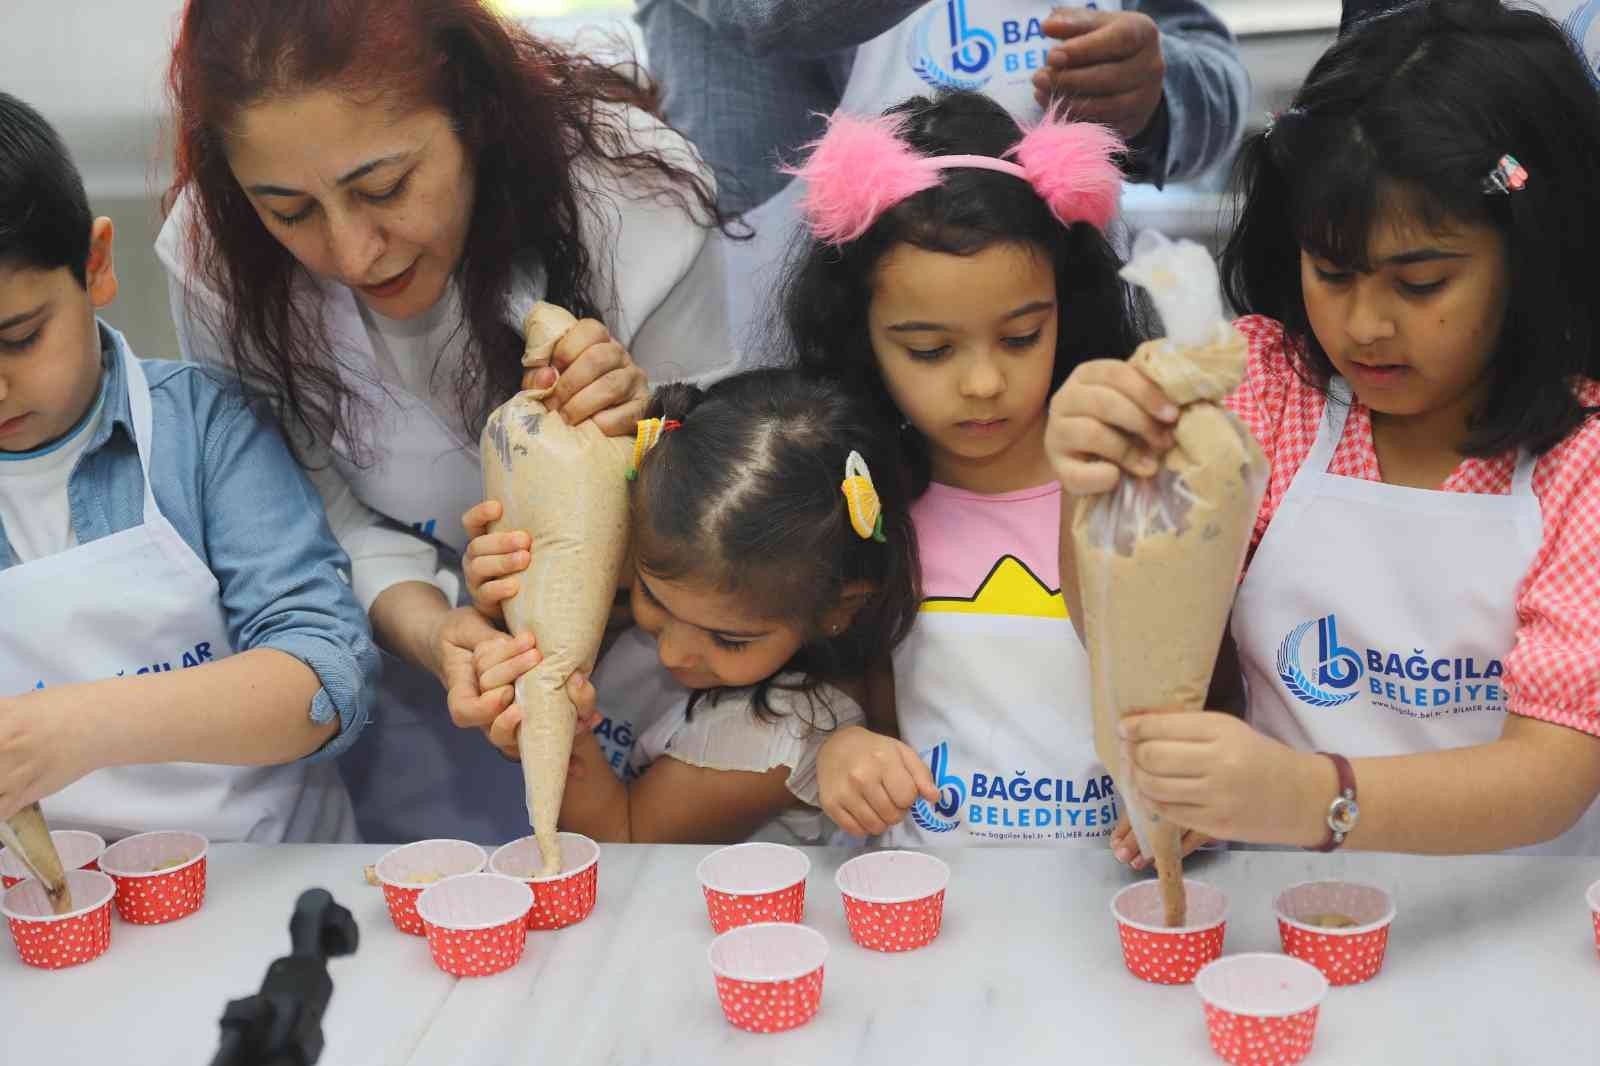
point(861, 497)
point(646, 436)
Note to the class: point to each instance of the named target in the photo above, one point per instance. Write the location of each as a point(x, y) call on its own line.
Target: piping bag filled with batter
point(27, 836)
point(567, 487)
point(1158, 558)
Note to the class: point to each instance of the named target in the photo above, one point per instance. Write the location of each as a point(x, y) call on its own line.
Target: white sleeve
point(727, 734)
point(380, 555)
point(661, 275)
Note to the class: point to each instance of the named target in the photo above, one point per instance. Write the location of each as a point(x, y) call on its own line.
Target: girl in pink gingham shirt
point(1418, 626)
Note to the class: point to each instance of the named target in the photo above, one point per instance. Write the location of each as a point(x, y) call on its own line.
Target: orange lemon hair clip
point(861, 498)
point(646, 436)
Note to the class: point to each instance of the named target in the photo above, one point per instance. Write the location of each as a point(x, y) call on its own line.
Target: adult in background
point(368, 197)
point(747, 82)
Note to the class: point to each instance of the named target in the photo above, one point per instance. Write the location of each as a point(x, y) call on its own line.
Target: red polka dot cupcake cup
point(769, 975)
point(561, 899)
point(1594, 912)
point(1169, 956)
point(407, 871)
point(55, 941)
point(476, 924)
point(1261, 1010)
point(77, 849)
point(749, 883)
point(160, 876)
point(1346, 954)
point(893, 900)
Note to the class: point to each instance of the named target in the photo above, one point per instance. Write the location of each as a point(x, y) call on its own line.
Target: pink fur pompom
point(858, 170)
point(1072, 166)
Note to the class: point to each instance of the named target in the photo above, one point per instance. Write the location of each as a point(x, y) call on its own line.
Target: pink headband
point(860, 168)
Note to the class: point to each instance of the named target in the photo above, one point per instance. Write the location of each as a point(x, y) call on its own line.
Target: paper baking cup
point(1164, 956)
point(54, 942)
point(150, 888)
point(1261, 1010)
point(749, 883)
point(1594, 912)
point(561, 899)
point(476, 924)
point(1346, 956)
point(409, 869)
point(893, 900)
point(77, 849)
point(769, 975)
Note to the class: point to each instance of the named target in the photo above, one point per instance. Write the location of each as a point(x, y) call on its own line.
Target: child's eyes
point(1023, 342)
point(730, 645)
point(928, 354)
point(1423, 289)
point(1331, 277)
point(21, 345)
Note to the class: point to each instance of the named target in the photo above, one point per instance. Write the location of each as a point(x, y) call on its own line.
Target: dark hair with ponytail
point(745, 496)
point(1403, 118)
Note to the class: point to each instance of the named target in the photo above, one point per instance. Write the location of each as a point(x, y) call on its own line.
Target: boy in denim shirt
point(179, 645)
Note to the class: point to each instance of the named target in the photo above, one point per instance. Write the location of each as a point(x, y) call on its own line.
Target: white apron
point(997, 705)
point(131, 603)
point(1375, 618)
point(414, 775)
point(991, 46)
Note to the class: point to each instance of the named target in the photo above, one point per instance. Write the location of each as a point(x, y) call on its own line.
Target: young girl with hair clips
point(957, 270)
point(1418, 621)
point(772, 555)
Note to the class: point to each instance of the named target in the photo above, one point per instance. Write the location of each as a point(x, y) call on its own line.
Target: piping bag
point(567, 487)
point(27, 836)
point(1159, 558)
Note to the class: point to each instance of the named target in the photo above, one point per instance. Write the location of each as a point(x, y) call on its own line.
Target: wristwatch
point(1344, 812)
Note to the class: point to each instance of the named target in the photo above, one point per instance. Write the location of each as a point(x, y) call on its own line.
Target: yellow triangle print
point(1010, 589)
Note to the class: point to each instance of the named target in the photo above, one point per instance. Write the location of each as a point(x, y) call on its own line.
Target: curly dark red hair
point(525, 111)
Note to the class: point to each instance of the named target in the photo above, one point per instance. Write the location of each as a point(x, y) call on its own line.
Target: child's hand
point(1105, 419)
point(493, 559)
point(867, 781)
point(1210, 772)
point(1126, 847)
point(39, 756)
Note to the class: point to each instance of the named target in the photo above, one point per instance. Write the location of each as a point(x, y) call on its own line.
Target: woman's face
point(377, 199)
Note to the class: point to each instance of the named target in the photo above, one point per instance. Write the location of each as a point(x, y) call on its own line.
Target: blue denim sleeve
point(1206, 87)
point(284, 579)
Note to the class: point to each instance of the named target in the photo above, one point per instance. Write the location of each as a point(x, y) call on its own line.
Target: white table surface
point(1491, 961)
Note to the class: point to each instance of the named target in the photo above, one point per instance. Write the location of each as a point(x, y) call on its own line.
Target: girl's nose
point(673, 650)
point(982, 378)
point(1367, 320)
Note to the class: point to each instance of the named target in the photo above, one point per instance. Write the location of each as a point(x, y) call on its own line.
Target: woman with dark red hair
point(369, 195)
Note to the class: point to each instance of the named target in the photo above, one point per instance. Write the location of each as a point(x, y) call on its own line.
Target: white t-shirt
point(34, 509)
point(726, 734)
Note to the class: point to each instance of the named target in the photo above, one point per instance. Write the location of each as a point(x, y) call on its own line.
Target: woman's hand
point(456, 638)
point(493, 560)
point(1125, 846)
point(1105, 419)
point(39, 753)
point(598, 379)
point(502, 728)
point(1210, 772)
point(867, 782)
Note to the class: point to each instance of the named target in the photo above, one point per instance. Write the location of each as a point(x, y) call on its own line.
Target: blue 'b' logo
point(947, 52)
point(945, 815)
point(1337, 667)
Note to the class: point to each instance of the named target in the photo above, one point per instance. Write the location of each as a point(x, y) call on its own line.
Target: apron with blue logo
point(1375, 619)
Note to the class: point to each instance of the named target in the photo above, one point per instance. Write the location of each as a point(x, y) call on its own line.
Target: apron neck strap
point(1330, 428)
point(139, 410)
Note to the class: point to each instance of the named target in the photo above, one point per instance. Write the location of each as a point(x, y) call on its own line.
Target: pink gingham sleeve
point(1553, 671)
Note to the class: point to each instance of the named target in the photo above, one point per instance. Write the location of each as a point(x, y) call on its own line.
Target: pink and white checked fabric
point(1553, 672)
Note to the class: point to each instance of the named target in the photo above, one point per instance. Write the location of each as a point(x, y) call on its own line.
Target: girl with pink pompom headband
point(862, 167)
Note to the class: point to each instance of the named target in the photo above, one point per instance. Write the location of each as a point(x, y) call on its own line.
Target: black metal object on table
point(282, 1024)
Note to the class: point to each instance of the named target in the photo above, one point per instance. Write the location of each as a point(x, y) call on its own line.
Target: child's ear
point(854, 597)
point(101, 279)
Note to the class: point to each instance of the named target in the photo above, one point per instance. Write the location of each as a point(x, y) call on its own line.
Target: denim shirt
point(230, 487)
point(750, 81)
